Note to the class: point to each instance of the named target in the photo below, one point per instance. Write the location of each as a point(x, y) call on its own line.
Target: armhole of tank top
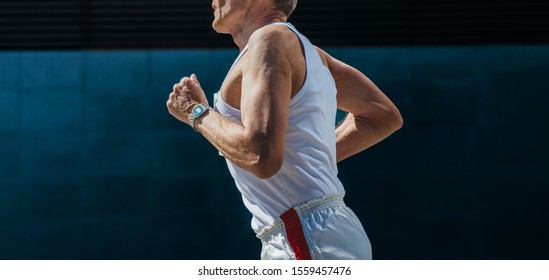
point(240, 55)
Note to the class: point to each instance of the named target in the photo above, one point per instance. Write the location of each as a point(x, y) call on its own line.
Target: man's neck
point(242, 35)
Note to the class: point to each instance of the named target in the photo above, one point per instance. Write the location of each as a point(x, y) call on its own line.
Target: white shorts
point(323, 229)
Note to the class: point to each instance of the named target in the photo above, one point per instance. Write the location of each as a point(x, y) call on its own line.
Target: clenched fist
point(186, 94)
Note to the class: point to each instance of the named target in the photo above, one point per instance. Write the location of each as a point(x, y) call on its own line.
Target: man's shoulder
point(273, 36)
point(272, 30)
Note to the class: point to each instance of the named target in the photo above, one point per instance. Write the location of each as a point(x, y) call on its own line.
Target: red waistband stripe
point(296, 238)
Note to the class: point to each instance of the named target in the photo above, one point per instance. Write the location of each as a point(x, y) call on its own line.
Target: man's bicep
point(266, 89)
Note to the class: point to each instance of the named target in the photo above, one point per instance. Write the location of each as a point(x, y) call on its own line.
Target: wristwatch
point(197, 112)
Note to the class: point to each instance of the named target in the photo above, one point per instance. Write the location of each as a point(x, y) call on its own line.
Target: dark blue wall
point(93, 167)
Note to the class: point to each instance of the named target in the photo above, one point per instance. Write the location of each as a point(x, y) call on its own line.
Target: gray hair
point(286, 6)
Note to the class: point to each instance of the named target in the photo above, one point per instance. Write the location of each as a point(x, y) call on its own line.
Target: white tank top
point(309, 170)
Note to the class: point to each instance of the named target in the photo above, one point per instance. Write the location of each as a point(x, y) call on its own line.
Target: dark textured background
point(77, 24)
point(93, 167)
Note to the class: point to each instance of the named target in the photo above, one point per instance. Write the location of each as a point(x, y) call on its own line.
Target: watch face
point(197, 111)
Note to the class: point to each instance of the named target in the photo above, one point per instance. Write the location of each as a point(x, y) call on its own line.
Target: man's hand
point(186, 94)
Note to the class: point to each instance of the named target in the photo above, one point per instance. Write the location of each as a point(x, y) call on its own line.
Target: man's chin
point(217, 29)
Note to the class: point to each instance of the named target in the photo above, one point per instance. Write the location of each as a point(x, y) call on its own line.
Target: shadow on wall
point(93, 167)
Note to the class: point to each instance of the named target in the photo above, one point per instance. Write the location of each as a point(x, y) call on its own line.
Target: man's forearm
point(225, 136)
point(356, 134)
point(246, 150)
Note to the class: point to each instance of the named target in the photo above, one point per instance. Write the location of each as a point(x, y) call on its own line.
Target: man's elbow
point(395, 120)
point(265, 167)
point(389, 121)
point(264, 159)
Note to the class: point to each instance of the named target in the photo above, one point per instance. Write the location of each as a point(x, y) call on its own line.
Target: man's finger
point(170, 101)
point(184, 81)
point(176, 87)
point(195, 79)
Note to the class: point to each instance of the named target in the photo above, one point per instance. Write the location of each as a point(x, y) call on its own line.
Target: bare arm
point(258, 144)
point(372, 116)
